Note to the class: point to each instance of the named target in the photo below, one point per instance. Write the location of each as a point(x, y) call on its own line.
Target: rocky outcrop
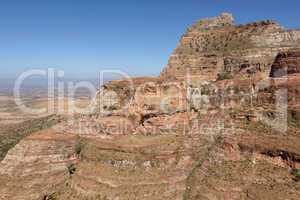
point(286, 63)
point(10, 135)
point(216, 46)
point(37, 166)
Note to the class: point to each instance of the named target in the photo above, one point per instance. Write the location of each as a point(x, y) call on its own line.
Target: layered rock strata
point(229, 131)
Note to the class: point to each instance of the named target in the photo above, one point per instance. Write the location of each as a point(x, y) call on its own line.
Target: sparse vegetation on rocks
point(296, 174)
point(10, 135)
point(223, 148)
point(224, 76)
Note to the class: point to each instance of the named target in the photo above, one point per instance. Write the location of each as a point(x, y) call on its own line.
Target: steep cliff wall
point(286, 63)
point(215, 46)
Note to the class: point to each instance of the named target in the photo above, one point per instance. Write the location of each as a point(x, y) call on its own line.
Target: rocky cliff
point(286, 63)
point(217, 46)
point(220, 122)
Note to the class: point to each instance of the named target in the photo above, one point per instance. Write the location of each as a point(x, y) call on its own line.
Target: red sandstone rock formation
point(229, 132)
point(216, 45)
point(286, 63)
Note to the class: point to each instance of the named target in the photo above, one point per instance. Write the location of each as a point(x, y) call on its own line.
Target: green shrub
point(294, 118)
point(71, 169)
point(224, 76)
point(199, 116)
point(50, 197)
point(296, 174)
point(113, 107)
point(78, 147)
point(205, 90)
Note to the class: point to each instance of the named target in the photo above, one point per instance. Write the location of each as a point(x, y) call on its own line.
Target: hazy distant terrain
point(34, 93)
point(16, 124)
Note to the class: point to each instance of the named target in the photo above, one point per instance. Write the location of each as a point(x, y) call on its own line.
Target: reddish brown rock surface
point(229, 132)
point(216, 45)
point(286, 63)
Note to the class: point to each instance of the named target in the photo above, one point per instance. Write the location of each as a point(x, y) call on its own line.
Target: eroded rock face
point(37, 166)
point(211, 47)
point(229, 132)
point(286, 63)
point(211, 136)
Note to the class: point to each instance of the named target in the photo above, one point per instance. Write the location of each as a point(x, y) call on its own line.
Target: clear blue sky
point(137, 36)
